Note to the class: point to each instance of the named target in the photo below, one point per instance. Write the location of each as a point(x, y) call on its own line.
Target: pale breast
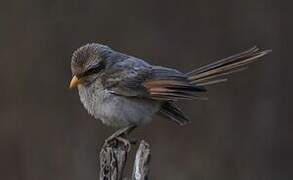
point(115, 110)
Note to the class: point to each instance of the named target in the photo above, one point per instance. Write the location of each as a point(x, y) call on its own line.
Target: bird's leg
point(119, 135)
point(122, 132)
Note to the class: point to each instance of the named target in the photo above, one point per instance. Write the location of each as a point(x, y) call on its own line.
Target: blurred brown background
point(243, 132)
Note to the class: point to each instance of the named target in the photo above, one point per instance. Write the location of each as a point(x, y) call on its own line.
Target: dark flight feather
point(171, 111)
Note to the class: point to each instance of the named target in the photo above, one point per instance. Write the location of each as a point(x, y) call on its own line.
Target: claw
point(118, 136)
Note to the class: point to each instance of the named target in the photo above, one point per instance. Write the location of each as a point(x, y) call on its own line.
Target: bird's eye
point(95, 69)
point(91, 71)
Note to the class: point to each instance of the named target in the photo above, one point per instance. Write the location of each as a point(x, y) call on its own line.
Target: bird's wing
point(125, 78)
point(136, 78)
point(170, 84)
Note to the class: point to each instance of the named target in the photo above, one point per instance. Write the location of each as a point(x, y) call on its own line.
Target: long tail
point(213, 73)
point(206, 75)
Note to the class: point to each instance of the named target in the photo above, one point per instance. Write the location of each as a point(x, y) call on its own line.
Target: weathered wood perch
point(113, 157)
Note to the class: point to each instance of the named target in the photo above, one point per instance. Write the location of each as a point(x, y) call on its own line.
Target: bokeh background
point(242, 132)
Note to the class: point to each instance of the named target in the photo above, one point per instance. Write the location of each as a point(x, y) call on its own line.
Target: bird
point(125, 92)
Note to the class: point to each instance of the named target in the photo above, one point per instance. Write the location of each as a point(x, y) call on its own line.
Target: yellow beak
point(74, 82)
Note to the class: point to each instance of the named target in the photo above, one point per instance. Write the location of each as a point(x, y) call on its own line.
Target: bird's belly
point(119, 111)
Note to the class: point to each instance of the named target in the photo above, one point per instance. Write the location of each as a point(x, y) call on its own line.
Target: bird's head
point(87, 63)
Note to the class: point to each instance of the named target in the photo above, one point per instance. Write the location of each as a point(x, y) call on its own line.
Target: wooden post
point(142, 161)
point(113, 157)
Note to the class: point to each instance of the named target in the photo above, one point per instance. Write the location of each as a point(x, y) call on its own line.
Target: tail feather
point(171, 111)
point(204, 81)
point(216, 81)
point(209, 74)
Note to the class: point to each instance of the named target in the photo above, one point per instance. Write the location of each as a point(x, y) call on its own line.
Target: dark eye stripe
point(94, 70)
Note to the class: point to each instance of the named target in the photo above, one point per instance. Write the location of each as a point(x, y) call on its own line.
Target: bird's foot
point(119, 137)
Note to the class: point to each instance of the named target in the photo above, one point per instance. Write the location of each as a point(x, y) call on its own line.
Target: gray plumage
point(122, 90)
